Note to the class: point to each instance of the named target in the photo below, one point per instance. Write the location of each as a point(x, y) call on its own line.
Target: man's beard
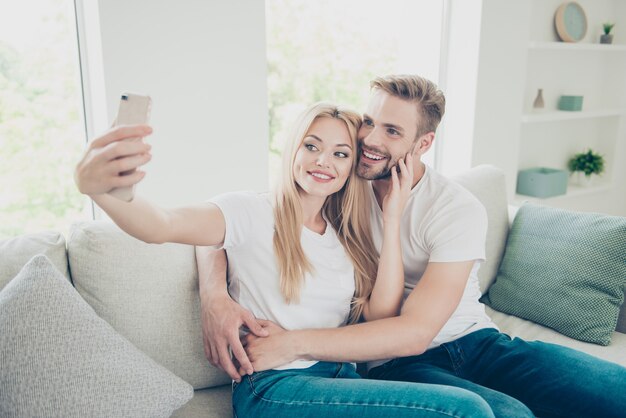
point(364, 173)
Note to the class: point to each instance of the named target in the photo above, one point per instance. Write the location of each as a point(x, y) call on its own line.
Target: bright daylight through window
point(316, 50)
point(328, 50)
point(41, 129)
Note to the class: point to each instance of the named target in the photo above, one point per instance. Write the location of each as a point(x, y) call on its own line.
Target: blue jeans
point(516, 377)
point(335, 390)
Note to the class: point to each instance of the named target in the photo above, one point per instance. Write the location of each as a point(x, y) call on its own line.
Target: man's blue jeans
point(514, 375)
point(330, 390)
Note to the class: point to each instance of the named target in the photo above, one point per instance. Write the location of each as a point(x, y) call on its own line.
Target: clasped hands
point(265, 346)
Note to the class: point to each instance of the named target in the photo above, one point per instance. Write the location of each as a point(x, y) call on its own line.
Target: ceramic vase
point(606, 39)
point(539, 104)
point(581, 180)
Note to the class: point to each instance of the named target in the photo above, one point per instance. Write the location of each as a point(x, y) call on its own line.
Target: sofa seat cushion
point(208, 403)
point(15, 253)
point(565, 270)
point(148, 293)
point(530, 331)
point(59, 359)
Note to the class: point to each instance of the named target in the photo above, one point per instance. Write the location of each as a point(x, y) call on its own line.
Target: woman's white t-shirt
point(254, 280)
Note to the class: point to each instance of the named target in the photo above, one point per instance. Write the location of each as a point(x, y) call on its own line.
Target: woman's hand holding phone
point(134, 109)
point(108, 156)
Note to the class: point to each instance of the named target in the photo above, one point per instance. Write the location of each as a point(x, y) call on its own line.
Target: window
point(41, 130)
point(330, 50)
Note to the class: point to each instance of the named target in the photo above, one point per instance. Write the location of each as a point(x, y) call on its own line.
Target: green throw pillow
point(565, 270)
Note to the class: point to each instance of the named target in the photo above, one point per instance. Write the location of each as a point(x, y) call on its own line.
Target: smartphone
point(134, 109)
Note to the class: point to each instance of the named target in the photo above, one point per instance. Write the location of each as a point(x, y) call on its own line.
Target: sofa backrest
point(148, 293)
point(15, 253)
point(487, 183)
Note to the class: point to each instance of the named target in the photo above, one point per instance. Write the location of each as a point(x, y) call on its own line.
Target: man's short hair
point(431, 101)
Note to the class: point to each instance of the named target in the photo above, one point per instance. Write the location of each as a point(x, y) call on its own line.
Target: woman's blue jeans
point(516, 377)
point(329, 390)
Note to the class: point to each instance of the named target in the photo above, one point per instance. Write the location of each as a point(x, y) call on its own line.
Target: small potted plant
point(584, 165)
point(607, 37)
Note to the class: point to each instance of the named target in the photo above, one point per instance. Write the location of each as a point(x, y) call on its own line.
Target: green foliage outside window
point(320, 51)
point(317, 50)
point(41, 134)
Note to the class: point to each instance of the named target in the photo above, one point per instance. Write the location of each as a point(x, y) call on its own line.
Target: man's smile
point(371, 157)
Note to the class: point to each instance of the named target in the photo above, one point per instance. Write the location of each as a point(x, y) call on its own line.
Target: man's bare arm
point(424, 313)
point(386, 297)
point(221, 316)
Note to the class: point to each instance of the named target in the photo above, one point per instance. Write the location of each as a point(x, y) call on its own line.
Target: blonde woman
point(301, 257)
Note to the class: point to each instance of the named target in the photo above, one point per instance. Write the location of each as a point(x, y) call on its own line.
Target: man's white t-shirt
point(253, 276)
point(442, 222)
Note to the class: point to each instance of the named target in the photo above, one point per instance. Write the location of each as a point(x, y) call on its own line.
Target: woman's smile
point(321, 176)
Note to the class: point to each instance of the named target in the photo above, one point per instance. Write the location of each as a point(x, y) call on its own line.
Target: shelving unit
point(519, 53)
point(572, 191)
point(549, 137)
point(564, 46)
point(561, 115)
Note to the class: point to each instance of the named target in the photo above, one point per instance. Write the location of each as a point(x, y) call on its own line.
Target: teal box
point(571, 103)
point(542, 182)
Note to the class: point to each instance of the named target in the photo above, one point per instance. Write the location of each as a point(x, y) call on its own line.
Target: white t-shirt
point(253, 276)
point(442, 222)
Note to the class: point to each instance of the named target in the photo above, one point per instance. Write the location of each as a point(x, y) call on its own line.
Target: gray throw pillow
point(59, 359)
point(565, 270)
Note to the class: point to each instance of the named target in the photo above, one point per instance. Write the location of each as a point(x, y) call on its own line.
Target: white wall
point(458, 81)
point(203, 63)
point(501, 70)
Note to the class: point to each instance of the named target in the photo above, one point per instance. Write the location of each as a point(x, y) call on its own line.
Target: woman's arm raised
point(193, 225)
point(99, 171)
point(386, 297)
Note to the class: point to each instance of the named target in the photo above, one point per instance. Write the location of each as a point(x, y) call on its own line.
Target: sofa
point(148, 293)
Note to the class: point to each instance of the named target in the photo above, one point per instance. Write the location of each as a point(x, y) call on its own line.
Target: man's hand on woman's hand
point(221, 319)
point(107, 157)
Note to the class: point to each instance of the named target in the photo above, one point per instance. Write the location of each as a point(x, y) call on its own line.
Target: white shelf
point(565, 46)
point(572, 191)
point(558, 115)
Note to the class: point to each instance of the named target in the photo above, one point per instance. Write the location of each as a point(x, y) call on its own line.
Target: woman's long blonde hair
point(348, 211)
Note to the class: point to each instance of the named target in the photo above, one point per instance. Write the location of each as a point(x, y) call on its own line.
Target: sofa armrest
point(512, 212)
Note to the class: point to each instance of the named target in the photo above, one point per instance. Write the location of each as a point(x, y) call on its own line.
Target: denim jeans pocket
point(258, 375)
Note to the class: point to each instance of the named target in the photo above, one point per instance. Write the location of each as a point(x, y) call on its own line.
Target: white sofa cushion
point(148, 293)
point(487, 183)
point(530, 331)
point(58, 359)
point(15, 252)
